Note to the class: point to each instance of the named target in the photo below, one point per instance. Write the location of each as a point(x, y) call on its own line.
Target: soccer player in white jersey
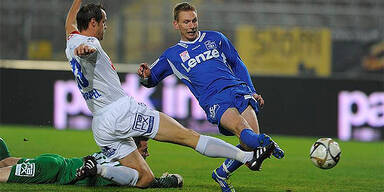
point(117, 117)
point(208, 63)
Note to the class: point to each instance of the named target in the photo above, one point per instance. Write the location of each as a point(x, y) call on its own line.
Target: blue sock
point(250, 138)
point(230, 164)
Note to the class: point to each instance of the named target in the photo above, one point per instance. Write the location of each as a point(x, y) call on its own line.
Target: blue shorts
point(239, 97)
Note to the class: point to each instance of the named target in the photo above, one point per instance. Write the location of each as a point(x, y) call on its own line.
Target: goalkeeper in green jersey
point(55, 169)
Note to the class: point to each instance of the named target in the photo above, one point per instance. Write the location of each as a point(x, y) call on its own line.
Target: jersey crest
point(213, 111)
point(210, 45)
point(184, 56)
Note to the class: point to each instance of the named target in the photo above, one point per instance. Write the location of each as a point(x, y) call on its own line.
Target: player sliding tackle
point(210, 66)
point(55, 169)
point(117, 117)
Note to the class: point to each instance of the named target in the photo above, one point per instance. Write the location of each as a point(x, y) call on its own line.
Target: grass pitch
point(361, 167)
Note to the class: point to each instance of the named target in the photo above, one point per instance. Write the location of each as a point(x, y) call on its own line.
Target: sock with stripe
point(229, 166)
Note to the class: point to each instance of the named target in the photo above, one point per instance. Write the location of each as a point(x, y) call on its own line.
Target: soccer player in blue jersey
point(210, 66)
point(117, 117)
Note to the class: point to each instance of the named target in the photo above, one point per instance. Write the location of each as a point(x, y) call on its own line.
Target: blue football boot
point(278, 152)
point(224, 183)
point(265, 140)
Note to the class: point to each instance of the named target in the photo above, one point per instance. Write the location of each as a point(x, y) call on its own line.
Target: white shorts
point(115, 124)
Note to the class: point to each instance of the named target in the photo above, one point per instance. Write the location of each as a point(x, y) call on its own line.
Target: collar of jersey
point(191, 42)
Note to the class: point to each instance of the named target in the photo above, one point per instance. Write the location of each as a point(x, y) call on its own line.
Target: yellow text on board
point(278, 51)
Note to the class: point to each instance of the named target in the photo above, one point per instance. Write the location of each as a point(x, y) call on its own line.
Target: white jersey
point(101, 159)
point(95, 74)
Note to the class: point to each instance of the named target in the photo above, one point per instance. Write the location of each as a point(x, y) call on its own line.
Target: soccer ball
point(325, 153)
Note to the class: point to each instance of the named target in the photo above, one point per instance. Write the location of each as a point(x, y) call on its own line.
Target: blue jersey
point(207, 65)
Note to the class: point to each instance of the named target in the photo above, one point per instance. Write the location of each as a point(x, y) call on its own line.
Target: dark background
point(293, 105)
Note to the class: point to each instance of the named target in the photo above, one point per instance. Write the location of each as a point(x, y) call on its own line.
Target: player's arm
point(234, 60)
point(151, 76)
point(238, 67)
point(144, 73)
point(9, 161)
point(84, 50)
point(70, 22)
point(87, 52)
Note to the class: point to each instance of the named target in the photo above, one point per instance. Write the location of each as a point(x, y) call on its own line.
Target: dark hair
point(182, 7)
point(86, 13)
point(139, 139)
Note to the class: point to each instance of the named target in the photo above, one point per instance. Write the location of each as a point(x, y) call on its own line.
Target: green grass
point(361, 167)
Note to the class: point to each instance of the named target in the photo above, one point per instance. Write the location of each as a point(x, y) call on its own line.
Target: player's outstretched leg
point(4, 153)
point(172, 131)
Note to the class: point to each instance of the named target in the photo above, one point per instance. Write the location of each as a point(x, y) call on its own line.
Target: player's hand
point(144, 71)
point(83, 50)
point(259, 99)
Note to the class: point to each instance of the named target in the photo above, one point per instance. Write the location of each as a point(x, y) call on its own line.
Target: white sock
point(121, 175)
point(214, 147)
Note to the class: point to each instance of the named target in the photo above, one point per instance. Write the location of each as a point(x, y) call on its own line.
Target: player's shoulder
point(216, 34)
point(91, 41)
point(172, 49)
point(77, 38)
point(72, 34)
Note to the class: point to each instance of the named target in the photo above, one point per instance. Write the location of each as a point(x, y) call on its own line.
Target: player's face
point(102, 26)
point(187, 24)
point(143, 149)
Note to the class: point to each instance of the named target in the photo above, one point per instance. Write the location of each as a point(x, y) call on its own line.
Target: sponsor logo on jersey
point(143, 123)
point(184, 56)
point(91, 39)
point(210, 44)
point(213, 111)
point(92, 94)
point(207, 55)
point(25, 170)
point(107, 151)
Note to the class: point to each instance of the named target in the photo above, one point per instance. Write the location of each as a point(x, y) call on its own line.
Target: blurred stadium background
point(319, 64)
